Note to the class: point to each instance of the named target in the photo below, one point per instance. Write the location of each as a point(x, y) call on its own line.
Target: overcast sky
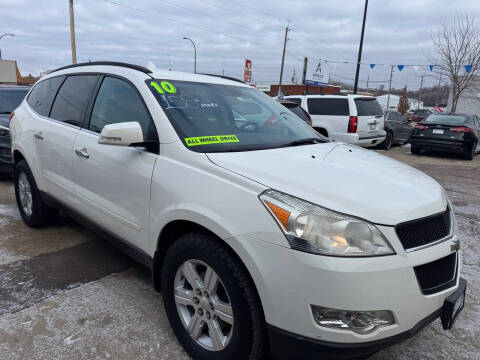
point(228, 31)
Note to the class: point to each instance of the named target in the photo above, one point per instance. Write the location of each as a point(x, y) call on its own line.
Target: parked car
point(398, 129)
point(10, 97)
point(257, 234)
point(450, 132)
point(297, 110)
point(353, 119)
point(419, 115)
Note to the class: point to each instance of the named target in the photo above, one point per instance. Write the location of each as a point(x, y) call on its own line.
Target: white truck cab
point(259, 232)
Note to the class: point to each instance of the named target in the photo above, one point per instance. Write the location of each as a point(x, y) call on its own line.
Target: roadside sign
point(247, 73)
point(263, 87)
point(319, 76)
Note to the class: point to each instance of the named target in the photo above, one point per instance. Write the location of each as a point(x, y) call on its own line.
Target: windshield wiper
point(306, 141)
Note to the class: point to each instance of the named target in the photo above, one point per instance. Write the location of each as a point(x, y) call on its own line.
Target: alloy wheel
point(25, 193)
point(203, 305)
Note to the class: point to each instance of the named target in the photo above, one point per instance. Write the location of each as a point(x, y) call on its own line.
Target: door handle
point(82, 153)
point(38, 135)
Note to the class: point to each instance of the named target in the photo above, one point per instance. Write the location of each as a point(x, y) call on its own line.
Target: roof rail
point(224, 77)
point(111, 63)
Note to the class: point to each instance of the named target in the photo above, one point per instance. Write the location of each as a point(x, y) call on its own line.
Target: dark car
point(451, 132)
point(297, 110)
point(419, 115)
point(10, 97)
point(397, 128)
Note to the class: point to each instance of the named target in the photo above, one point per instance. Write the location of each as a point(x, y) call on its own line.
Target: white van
point(354, 119)
point(260, 233)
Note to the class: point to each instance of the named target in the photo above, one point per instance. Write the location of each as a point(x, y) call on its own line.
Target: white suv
point(259, 232)
point(354, 119)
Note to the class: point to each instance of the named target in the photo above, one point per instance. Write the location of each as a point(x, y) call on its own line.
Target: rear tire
point(471, 154)
point(415, 150)
point(32, 208)
point(243, 336)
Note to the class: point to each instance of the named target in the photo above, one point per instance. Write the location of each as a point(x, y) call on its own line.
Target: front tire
point(34, 211)
point(414, 149)
point(210, 300)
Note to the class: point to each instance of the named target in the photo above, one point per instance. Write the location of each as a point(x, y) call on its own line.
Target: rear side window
point(318, 106)
point(41, 97)
point(297, 110)
point(368, 107)
point(117, 102)
point(72, 99)
point(295, 100)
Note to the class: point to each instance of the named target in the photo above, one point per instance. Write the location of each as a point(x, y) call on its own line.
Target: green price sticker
point(164, 87)
point(207, 140)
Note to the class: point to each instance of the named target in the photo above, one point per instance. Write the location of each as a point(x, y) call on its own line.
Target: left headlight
point(313, 229)
point(4, 131)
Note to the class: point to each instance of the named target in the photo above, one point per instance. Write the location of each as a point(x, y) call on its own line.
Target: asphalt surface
point(67, 293)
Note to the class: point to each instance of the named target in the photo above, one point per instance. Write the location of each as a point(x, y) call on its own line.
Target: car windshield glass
point(446, 119)
point(368, 107)
point(218, 118)
point(10, 99)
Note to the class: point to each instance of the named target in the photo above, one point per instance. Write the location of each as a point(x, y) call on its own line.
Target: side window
point(41, 96)
point(328, 106)
point(72, 99)
point(117, 102)
point(295, 100)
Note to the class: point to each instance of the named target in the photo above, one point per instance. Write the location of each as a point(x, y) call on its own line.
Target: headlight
point(4, 131)
point(311, 228)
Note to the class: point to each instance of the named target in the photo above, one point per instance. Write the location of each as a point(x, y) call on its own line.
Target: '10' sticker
point(164, 87)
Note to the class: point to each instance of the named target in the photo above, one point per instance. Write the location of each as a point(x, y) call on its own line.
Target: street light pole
point(194, 53)
point(1, 36)
point(72, 33)
point(355, 86)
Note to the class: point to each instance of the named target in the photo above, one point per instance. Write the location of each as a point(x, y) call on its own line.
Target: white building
point(469, 101)
point(415, 104)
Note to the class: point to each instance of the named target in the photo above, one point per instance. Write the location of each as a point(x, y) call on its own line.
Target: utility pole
point(72, 33)
point(283, 55)
point(304, 72)
point(389, 88)
point(355, 86)
point(368, 79)
point(420, 92)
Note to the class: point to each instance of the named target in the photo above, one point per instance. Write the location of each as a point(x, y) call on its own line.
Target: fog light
point(361, 322)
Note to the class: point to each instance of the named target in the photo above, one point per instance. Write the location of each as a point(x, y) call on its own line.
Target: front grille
point(420, 232)
point(437, 275)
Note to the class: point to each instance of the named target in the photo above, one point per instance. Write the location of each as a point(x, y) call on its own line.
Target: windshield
point(446, 119)
point(10, 99)
point(217, 118)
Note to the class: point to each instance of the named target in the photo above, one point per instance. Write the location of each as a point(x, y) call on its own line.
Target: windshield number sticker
point(164, 86)
point(206, 140)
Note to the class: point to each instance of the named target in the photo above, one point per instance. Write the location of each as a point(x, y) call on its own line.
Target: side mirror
point(121, 134)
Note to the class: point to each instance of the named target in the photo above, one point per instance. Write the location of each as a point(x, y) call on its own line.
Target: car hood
point(4, 120)
point(343, 178)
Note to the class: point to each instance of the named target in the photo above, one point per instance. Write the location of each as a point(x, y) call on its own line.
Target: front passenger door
point(113, 182)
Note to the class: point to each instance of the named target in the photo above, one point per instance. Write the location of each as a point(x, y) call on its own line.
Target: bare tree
point(457, 44)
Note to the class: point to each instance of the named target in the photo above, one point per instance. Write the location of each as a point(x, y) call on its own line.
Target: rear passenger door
point(58, 133)
point(113, 182)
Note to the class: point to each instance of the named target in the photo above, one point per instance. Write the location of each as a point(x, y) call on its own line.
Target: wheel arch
point(176, 228)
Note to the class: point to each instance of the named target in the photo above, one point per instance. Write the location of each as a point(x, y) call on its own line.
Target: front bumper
point(286, 345)
point(289, 281)
point(6, 161)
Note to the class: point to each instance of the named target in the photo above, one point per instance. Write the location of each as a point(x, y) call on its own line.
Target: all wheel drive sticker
point(206, 140)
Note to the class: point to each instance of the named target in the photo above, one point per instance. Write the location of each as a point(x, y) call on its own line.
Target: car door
point(405, 129)
point(57, 135)
point(393, 123)
point(113, 182)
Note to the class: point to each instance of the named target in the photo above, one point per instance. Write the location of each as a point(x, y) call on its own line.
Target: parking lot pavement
point(66, 293)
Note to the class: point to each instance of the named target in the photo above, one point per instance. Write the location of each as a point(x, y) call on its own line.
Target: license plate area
point(438, 131)
point(373, 126)
point(453, 305)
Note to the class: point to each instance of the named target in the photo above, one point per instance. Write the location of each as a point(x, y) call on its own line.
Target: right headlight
point(311, 228)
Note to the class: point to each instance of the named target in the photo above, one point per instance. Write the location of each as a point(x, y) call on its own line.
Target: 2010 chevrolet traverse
point(261, 234)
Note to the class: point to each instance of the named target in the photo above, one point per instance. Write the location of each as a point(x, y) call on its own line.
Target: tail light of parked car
point(461, 129)
point(352, 124)
point(421, 127)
